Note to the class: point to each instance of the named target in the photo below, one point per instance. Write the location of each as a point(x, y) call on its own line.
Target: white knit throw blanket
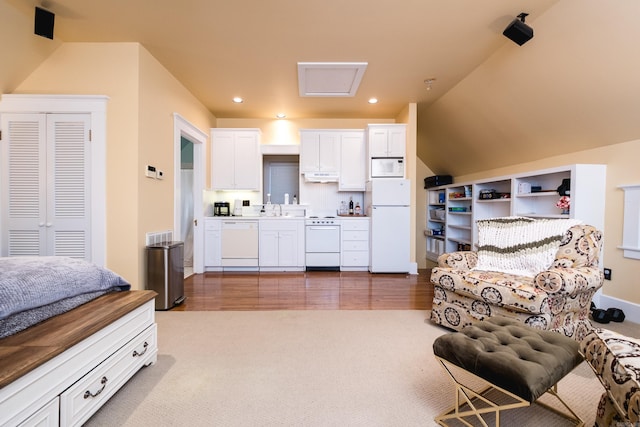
point(519, 245)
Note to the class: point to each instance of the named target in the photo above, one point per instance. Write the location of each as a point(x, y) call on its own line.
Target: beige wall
point(422, 171)
point(142, 99)
point(409, 116)
point(20, 50)
point(112, 70)
point(622, 168)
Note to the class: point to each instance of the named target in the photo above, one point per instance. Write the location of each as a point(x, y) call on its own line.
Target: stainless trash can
point(165, 273)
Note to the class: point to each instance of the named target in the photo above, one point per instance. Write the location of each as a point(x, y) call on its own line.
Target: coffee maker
point(221, 209)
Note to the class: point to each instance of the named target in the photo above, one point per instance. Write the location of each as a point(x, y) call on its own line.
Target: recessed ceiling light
point(238, 100)
point(281, 116)
point(373, 100)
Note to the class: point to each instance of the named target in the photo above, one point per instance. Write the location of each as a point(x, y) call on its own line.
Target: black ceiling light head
point(518, 31)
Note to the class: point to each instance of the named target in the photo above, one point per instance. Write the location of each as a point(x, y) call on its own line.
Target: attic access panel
point(330, 79)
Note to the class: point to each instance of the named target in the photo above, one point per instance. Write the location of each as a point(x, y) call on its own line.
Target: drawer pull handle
point(146, 347)
point(88, 394)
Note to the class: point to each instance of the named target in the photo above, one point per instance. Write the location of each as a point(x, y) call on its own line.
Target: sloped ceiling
point(494, 103)
point(574, 86)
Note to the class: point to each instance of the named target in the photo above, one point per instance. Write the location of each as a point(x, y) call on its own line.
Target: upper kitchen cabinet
point(235, 159)
point(386, 140)
point(352, 161)
point(319, 151)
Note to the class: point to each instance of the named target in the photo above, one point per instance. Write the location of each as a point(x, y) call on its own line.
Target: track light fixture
point(518, 31)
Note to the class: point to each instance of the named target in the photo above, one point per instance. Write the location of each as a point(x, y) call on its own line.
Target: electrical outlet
point(159, 174)
point(607, 274)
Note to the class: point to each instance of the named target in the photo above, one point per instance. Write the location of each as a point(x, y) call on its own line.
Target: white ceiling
point(220, 49)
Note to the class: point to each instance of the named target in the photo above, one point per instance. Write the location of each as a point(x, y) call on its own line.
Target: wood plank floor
point(307, 291)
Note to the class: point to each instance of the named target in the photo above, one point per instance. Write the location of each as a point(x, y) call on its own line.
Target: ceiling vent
point(329, 79)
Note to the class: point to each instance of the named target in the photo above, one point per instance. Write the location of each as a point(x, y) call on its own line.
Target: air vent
point(330, 79)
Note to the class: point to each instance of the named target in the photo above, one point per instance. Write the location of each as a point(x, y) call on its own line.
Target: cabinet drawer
point(355, 258)
point(355, 245)
point(81, 400)
point(212, 224)
point(354, 224)
point(47, 416)
point(355, 235)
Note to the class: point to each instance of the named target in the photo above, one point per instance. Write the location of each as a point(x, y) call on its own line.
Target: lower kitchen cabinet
point(281, 245)
point(355, 244)
point(212, 244)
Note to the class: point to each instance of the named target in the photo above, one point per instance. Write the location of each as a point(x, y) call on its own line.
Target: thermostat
point(150, 171)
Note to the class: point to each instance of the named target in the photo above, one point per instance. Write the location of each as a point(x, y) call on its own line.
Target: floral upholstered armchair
point(615, 359)
point(557, 298)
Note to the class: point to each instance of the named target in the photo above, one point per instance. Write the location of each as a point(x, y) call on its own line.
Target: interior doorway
point(188, 192)
point(186, 202)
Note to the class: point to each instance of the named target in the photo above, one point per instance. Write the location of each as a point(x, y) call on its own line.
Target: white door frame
point(182, 128)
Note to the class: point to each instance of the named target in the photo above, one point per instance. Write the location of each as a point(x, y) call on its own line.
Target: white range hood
point(321, 177)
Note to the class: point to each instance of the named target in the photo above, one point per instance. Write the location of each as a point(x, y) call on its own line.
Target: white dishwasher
point(239, 243)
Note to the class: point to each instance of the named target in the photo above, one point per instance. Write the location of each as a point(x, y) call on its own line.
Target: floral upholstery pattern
point(557, 299)
point(615, 359)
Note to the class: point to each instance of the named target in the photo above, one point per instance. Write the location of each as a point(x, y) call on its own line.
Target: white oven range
point(322, 243)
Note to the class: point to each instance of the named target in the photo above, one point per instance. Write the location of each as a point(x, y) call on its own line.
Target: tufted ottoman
point(519, 364)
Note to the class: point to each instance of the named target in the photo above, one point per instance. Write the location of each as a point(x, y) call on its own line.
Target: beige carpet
point(305, 368)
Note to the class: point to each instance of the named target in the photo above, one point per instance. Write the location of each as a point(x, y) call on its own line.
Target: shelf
point(506, 200)
point(441, 221)
point(457, 240)
point(437, 237)
point(459, 213)
point(539, 194)
point(460, 199)
point(460, 227)
point(436, 205)
point(532, 215)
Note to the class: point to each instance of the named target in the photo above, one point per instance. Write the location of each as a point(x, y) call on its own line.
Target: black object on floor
point(605, 316)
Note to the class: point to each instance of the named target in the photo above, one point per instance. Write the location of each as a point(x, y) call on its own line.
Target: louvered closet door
point(68, 178)
point(24, 184)
point(48, 206)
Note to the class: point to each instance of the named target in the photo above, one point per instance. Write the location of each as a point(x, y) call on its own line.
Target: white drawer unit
point(47, 416)
point(68, 388)
point(354, 247)
point(82, 399)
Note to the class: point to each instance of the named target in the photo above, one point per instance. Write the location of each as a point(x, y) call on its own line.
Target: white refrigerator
point(387, 204)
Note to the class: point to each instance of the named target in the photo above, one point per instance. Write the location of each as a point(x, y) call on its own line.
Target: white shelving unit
point(436, 211)
point(532, 194)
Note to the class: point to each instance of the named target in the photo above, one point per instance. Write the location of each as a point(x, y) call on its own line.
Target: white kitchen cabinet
point(352, 161)
point(212, 244)
point(386, 140)
point(235, 159)
point(354, 245)
point(46, 190)
point(319, 150)
point(281, 244)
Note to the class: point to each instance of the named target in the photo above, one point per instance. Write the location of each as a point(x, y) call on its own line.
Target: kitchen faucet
point(280, 206)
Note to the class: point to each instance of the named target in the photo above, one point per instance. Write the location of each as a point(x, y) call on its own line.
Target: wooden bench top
point(22, 352)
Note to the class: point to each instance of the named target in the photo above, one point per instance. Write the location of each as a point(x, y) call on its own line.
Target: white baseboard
point(631, 310)
point(413, 268)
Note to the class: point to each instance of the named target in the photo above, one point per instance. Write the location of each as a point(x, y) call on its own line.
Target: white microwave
point(387, 167)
